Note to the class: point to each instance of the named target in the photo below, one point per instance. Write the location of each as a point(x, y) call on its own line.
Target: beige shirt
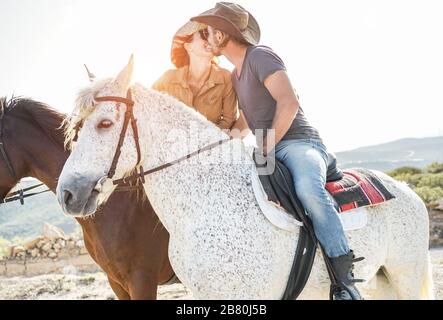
point(216, 100)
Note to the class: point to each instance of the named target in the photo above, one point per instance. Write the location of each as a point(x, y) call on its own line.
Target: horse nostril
point(67, 197)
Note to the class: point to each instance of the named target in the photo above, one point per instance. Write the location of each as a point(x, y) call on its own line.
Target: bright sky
point(366, 71)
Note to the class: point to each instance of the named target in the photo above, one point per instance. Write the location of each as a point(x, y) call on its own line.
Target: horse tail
point(427, 288)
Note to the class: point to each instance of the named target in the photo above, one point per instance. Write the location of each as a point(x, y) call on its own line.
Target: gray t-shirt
point(254, 99)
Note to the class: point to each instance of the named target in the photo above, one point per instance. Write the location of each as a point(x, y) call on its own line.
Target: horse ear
point(91, 76)
point(125, 76)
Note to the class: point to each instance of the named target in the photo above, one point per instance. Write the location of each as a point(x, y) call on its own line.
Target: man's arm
point(279, 86)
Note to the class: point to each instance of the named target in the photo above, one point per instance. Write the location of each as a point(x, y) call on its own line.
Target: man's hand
point(240, 129)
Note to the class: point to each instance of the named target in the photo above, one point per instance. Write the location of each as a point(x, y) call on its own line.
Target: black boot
point(345, 289)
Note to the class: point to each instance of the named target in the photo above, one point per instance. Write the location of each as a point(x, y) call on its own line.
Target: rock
point(57, 247)
point(80, 244)
point(47, 247)
point(35, 253)
point(18, 250)
point(41, 243)
point(33, 243)
point(52, 255)
point(61, 243)
point(52, 232)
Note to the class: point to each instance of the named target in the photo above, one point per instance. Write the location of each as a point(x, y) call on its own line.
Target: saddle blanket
point(355, 191)
point(358, 188)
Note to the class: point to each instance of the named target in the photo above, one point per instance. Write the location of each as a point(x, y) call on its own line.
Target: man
point(267, 101)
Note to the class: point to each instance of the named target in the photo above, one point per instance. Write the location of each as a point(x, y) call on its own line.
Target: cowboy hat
point(232, 19)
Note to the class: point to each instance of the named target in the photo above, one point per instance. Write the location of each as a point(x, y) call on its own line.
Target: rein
point(141, 174)
point(20, 194)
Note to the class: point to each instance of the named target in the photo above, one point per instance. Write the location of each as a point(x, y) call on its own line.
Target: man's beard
point(216, 50)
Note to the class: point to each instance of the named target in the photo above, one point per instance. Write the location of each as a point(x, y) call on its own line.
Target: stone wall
point(47, 255)
point(53, 252)
point(45, 247)
point(65, 265)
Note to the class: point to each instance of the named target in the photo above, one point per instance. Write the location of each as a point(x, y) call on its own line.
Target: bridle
point(129, 117)
point(20, 194)
point(139, 175)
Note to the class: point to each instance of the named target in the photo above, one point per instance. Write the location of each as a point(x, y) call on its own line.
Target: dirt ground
point(87, 286)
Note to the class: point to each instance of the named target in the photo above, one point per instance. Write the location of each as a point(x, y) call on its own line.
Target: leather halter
point(20, 194)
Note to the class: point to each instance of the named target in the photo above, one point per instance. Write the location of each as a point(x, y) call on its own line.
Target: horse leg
point(118, 290)
point(407, 264)
point(379, 287)
point(412, 280)
point(142, 286)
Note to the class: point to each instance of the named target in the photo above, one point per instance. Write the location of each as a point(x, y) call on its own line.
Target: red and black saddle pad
point(358, 188)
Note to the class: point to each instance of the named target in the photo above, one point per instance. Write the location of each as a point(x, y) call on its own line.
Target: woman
point(198, 81)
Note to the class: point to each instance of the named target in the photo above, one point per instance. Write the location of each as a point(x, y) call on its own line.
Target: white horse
point(221, 244)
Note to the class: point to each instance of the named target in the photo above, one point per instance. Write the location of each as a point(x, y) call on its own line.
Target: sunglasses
point(204, 34)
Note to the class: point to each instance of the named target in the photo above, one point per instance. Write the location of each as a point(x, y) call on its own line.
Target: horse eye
point(104, 124)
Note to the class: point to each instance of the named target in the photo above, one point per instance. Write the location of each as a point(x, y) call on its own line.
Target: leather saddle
point(279, 187)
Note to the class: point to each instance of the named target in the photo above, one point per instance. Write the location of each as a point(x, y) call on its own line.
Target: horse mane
point(47, 118)
point(8, 104)
point(84, 106)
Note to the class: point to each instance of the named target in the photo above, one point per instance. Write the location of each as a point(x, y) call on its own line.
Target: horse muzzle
point(79, 196)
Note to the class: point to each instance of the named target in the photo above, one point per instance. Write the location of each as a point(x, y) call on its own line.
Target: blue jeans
point(307, 160)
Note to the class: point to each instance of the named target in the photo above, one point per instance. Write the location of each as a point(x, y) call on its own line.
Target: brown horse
point(126, 239)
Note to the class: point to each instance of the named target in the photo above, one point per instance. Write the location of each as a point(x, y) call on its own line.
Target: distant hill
point(27, 221)
point(415, 152)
